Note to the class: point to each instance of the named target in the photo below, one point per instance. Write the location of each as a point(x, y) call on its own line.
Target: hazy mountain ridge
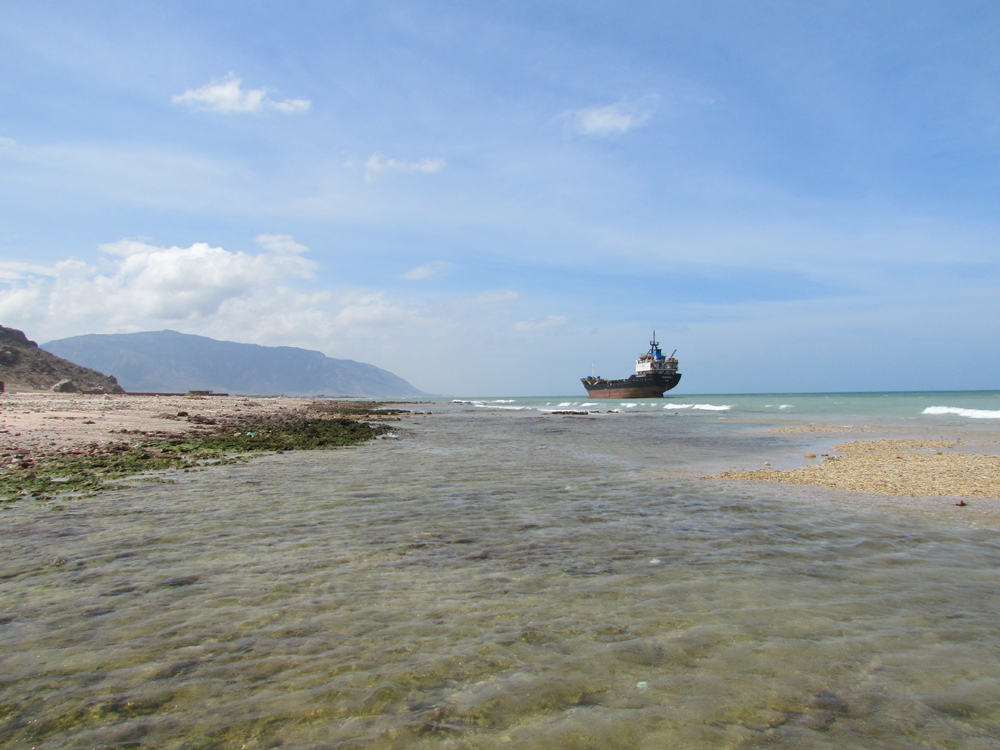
point(168, 361)
point(23, 365)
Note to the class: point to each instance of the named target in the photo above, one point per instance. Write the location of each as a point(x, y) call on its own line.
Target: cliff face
point(24, 366)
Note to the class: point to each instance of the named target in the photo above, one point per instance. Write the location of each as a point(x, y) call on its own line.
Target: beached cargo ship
point(654, 375)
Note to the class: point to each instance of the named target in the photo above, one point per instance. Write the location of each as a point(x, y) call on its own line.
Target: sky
point(488, 198)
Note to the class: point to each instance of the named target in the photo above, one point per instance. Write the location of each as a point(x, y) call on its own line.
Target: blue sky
point(482, 198)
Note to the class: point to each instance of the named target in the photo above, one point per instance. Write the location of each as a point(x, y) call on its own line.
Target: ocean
point(495, 575)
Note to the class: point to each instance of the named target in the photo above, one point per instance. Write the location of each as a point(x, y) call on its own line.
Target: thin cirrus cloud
point(227, 95)
point(540, 324)
point(612, 119)
point(281, 244)
point(426, 271)
point(377, 163)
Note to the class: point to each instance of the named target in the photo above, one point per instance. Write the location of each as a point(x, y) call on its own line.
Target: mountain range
point(168, 361)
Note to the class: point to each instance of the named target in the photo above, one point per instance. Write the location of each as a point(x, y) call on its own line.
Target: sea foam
point(970, 413)
point(705, 407)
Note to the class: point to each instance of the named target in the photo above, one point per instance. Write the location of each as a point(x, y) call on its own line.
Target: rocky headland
point(25, 366)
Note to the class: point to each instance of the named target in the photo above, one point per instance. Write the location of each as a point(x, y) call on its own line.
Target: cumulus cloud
point(235, 296)
point(540, 323)
point(138, 281)
point(228, 96)
point(426, 271)
point(612, 119)
point(377, 163)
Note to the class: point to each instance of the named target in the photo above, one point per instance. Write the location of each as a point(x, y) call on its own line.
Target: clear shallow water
point(513, 580)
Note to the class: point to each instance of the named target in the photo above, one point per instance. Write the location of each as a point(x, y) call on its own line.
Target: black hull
point(635, 386)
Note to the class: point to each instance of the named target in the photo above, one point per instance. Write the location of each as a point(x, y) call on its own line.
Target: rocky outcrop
point(24, 366)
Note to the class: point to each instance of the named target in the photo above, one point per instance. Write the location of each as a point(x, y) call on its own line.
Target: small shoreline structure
point(54, 444)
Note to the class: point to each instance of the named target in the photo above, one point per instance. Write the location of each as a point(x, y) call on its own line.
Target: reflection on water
point(515, 581)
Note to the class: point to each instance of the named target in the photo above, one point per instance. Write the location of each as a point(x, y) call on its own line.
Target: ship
point(654, 375)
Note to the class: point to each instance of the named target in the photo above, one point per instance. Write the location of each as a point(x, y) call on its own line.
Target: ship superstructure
point(654, 375)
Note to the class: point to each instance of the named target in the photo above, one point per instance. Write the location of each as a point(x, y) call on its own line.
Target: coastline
point(113, 437)
point(54, 444)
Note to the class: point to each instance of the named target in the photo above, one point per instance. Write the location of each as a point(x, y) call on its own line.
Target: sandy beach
point(51, 443)
point(64, 421)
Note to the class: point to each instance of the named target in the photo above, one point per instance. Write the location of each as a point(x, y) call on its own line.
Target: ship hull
point(651, 386)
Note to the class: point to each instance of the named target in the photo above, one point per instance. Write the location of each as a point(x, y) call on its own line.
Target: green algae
point(98, 467)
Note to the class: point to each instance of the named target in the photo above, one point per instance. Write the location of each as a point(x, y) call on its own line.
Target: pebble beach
point(901, 468)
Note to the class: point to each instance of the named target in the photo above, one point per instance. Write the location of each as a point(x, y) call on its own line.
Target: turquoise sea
point(497, 575)
point(923, 408)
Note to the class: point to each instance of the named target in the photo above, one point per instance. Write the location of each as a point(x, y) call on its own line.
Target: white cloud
point(281, 244)
point(227, 95)
point(377, 163)
point(426, 271)
point(366, 309)
point(7, 143)
point(612, 119)
point(16, 271)
point(540, 323)
point(199, 289)
point(139, 281)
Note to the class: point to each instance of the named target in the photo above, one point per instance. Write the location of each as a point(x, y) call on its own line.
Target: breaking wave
point(970, 413)
point(705, 407)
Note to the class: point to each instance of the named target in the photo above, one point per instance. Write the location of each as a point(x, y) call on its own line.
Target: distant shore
point(52, 444)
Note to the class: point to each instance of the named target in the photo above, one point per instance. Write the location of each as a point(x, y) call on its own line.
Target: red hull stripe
point(647, 392)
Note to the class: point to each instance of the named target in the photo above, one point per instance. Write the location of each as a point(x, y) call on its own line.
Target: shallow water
point(512, 580)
